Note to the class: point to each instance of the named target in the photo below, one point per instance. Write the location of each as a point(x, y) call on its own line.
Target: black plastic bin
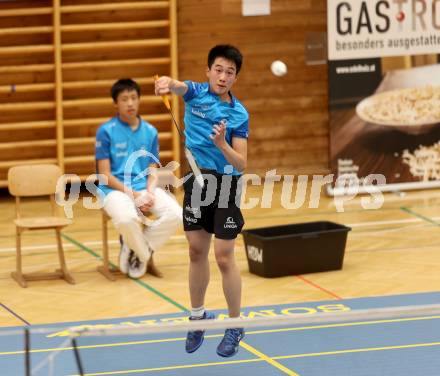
point(295, 249)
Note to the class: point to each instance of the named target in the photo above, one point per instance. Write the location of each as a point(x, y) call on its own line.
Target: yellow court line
point(101, 345)
point(185, 366)
point(355, 323)
point(260, 359)
point(366, 349)
point(176, 339)
point(268, 359)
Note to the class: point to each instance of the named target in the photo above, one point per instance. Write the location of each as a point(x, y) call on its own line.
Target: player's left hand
point(145, 202)
point(218, 134)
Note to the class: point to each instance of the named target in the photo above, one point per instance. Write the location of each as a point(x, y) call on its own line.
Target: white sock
point(197, 313)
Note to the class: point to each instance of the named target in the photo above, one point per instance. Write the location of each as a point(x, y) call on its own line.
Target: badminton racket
point(189, 156)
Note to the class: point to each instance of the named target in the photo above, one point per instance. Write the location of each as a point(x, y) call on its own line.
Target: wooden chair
point(32, 181)
point(108, 270)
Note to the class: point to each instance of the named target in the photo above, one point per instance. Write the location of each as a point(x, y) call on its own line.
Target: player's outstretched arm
point(165, 85)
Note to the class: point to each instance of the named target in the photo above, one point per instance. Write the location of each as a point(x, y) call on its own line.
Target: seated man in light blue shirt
point(127, 151)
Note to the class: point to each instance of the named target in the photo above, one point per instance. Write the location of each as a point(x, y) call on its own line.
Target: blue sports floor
point(401, 346)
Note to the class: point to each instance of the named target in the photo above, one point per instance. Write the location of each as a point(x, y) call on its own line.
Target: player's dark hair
point(122, 85)
point(228, 52)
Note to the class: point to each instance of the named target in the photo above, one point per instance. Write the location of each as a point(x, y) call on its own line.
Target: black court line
point(15, 314)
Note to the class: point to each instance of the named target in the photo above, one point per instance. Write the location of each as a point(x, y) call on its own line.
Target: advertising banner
point(384, 90)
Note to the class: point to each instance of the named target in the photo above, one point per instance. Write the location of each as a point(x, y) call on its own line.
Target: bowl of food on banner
point(410, 110)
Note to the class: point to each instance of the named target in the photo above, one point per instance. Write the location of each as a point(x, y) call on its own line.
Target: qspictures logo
point(375, 28)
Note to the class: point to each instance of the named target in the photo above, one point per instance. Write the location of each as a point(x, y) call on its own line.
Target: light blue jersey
point(203, 109)
point(129, 151)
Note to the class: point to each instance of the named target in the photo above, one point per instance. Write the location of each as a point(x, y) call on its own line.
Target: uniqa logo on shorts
point(230, 223)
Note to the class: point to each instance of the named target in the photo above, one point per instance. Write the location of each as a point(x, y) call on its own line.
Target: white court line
point(71, 246)
point(180, 237)
point(409, 220)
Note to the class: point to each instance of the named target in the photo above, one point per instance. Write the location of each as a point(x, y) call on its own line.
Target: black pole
point(77, 357)
point(27, 352)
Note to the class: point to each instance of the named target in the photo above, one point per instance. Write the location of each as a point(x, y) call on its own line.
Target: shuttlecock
point(278, 68)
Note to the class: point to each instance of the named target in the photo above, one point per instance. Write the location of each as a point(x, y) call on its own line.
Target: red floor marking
point(318, 287)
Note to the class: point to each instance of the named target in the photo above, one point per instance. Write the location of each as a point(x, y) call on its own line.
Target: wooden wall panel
point(56, 75)
point(288, 115)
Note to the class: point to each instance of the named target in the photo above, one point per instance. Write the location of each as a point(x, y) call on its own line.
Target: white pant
point(128, 221)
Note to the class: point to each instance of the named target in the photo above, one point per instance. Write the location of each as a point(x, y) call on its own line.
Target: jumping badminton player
point(216, 132)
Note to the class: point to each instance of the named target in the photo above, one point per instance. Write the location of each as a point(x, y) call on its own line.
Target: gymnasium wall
point(59, 59)
point(288, 115)
point(50, 118)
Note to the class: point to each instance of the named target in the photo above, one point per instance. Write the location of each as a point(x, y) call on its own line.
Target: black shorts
point(212, 208)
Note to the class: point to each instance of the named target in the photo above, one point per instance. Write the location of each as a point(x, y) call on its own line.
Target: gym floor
point(390, 251)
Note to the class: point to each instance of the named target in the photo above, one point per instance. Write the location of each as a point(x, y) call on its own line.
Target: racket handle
point(165, 99)
point(195, 169)
point(200, 181)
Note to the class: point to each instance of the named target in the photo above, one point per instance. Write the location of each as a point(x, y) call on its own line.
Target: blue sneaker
point(229, 344)
point(194, 339)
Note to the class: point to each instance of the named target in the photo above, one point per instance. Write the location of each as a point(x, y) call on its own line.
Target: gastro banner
point(365, 29)
point(384, 89)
